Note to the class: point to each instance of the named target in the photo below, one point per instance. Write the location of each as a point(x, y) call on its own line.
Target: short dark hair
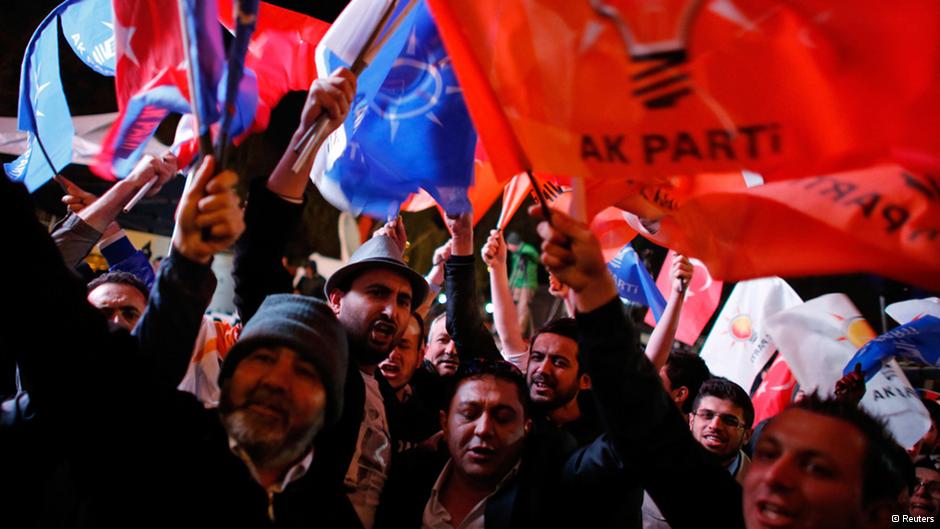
point(566, 327)
point(501, 369)
point(312, 264)
point(886, 467)
point(724, 389)
point(687, 370)
point(120, 278)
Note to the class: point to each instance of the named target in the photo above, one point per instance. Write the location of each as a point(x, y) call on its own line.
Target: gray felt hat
point(378, 252)
point(309, 327)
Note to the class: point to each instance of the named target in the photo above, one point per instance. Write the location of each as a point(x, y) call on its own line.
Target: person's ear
point(679, 395)
point(528, 426)
point(442, 417)
point(336, 299)
point(584, 382)
point(747, 436)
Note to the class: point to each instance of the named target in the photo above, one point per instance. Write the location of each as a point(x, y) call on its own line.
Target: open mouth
point(390, 369)
point(383, 330)
point(481, 453)
point(775, 515)
point(267, 410)
point(921, 509)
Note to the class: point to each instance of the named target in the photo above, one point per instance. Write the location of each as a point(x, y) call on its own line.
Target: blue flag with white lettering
point(634, 282)
point(918, 341)
point(408, 129)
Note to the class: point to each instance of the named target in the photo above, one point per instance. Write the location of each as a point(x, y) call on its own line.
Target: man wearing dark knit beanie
point(281, 383)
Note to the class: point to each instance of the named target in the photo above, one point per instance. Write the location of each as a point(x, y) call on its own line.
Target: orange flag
point(882, 220)
point(784, 89)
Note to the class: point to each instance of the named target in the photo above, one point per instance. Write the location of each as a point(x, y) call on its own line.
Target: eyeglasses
point(726, 418)
point(930, 486)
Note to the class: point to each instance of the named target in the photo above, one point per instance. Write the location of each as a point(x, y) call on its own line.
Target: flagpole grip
point(310, 142)
point(140, 194)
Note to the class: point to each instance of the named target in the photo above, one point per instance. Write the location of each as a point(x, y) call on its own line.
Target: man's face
point(121, 304)
point(806, 473)
point(484, 428)
point(374, 313)
point(274, 404)
point(552, 373)
point(713, 433)
point(405, 357)
point(442, 352)
point(925, 501)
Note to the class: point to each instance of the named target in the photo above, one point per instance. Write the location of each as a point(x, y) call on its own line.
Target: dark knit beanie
point(309, 327)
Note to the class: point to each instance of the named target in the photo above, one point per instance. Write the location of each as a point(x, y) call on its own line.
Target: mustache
point(544, 379)
point(269, 397)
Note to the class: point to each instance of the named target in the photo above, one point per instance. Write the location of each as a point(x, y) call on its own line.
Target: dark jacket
point(554, 484)
point(137, 451)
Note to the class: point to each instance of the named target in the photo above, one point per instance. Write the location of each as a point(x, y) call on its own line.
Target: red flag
point(281, 54)
point(775, 391)
point(785, 89)
point(701, 299)
point(882, 220)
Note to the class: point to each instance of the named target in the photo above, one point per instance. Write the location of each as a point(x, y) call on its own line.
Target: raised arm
point(275, 207)
point(657, 350)
point(92, 218)
point(464, 321)
point(643, 427)
point(505, 317)
point(185, 283)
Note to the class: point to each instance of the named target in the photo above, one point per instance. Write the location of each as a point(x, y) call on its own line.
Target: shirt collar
point(295, 472)
point(735, 465)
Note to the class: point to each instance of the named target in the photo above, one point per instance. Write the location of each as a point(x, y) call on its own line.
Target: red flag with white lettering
point(785, 89)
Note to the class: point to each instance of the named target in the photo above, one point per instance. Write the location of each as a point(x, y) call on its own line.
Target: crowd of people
point(356, 402)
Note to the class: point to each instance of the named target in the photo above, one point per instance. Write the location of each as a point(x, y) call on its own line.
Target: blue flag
point(408, 129)
point(204, 49)
point(43, 111)
point(918, 341)
point(634, 282)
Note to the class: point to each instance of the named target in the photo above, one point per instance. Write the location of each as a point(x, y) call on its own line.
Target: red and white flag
point(701, 299)
point(775, 391)
point(738, 346)
point(819, 337)
point(912, 309)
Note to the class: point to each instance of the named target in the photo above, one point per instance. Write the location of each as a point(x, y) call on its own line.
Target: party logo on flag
point(818, 337)
point(409, 127)
point(738, 346)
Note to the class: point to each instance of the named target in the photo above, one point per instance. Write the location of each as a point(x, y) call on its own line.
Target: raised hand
point(75, 198)
point(682, 271)
point(461, 231)
point(210, 203)
point(494, 251)
point(395, 230)
point(572, 253)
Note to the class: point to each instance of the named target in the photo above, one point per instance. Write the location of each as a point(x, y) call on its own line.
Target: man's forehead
point(552, 343)
point(382, 277)
point(116, 291)
point(713, 403)
point(489, 390)
point(806, 431)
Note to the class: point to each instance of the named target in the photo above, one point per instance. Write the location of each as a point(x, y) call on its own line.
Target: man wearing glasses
point(721, 420)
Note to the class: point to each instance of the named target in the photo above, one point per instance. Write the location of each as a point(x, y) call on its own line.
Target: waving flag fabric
point(785, 89)
point(701, 299)
point(818, 337)
point(918, 341)
point(882, 220)
point(280, 53)
point(912, 309)
point(409, 127)
point(775, 391)
point(43, 110)
point(151, 79)
point(634, 282)
point(739, 346)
